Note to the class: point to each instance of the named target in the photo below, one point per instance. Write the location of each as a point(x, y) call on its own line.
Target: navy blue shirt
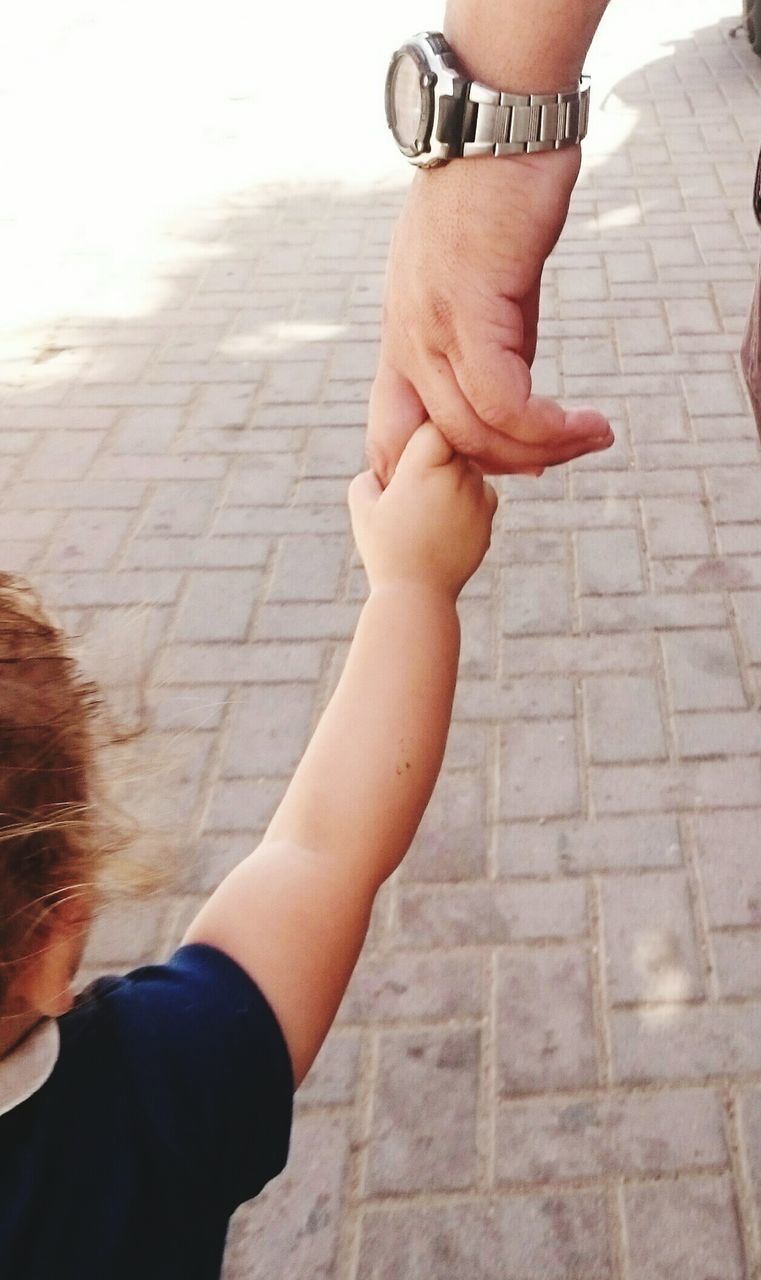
point(170, 1104)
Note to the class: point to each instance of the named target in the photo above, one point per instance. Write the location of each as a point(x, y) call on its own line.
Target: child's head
point(51, 841)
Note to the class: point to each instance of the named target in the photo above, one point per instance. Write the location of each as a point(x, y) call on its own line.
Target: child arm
point(295, 913)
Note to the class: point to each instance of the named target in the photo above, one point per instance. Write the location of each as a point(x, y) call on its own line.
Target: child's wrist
point(422, 589)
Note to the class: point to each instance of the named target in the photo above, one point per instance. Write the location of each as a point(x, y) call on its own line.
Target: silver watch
point(437, 114)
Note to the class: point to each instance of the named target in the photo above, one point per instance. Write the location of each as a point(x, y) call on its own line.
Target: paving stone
point(750, 1127)
point(87, 540)
point(536, 600)
point(623, 718)
point(577, 655)
point(650, 947)
point(68, 495)
point(747, 607)
point(175, 707)
point(294, 1224)
point(579, 846)
point(676, 528)
point(241, 663)
point(124, 935)
point(307, 568)
point(713, 393)
point(408, 1149)
point(556, 1236)
point(415, 986)
point(244, 804)
point(642, 336)
point(526, 697)
point(221, 406)
point(685, 1230)
point(652, 612)
point(66, 457)
point(147, 430)
point(267, 481)
point(738, 962)
point(531, 754)
point(638, 484)
point(657, 417)
point(608, 562)
point(559, 515)
point(93, 590)
point(692, 784)
point(718, 733)
point(198, 552)
point(489, 914)
point(728, 850)
point(727, 573)
point(179, 508)
point(545, 1021)
point(735, 493)
point(218, 605)
point(685, 1042)
point(301, 621)
point(333, 1078)
point(702, 670)
point(269, 730)
point(547, 1139)
point(453, 838)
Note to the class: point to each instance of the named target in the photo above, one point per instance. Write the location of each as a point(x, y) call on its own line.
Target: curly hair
point(55, 832)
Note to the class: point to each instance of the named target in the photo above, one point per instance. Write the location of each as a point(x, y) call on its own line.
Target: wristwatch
point(437, 114)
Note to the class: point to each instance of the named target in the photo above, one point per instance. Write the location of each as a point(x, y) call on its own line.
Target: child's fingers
point(364, 491)
point(427, 447)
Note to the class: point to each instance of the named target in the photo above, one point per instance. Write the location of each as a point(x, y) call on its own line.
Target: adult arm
point(465, 266)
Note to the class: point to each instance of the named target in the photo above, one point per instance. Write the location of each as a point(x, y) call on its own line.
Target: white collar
point(26, 1068)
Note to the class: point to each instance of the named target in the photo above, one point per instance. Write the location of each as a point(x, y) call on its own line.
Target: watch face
point(406, 102)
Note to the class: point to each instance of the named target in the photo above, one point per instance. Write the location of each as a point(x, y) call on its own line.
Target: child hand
point(432, 525)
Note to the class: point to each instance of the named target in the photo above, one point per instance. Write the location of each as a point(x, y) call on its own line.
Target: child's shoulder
point(173, 1086)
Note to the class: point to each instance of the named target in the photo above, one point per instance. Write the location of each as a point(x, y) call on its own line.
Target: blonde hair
point(56, 828)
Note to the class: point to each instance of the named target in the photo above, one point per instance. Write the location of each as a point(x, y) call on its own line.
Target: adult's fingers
point(497, 384)
point(395, 412)
point(495, 452)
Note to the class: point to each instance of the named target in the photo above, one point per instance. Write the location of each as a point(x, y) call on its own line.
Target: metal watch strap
point(502, 124)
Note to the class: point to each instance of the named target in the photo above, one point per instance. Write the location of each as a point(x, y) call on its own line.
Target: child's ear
point(44, 982)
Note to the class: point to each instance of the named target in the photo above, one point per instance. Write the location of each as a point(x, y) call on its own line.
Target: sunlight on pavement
point(122, 123)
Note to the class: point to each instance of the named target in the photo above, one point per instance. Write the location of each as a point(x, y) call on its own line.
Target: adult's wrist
point(520, 47)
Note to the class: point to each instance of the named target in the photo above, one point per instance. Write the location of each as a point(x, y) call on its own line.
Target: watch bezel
point(426, 85)
point(438, 80)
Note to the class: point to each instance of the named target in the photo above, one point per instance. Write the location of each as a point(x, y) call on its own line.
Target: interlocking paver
point(578, 846)
point(549, 1043)
point(650, 945)
point(550, 1235)
point(623, 718)
point(415, 1070)
point(684, 1230)
point(575, 1137)
point(546, 1067)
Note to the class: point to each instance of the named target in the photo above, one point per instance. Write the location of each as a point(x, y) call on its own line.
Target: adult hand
point(460, 317)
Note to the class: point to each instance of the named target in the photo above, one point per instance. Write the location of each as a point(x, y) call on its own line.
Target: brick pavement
point(548, 1066)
